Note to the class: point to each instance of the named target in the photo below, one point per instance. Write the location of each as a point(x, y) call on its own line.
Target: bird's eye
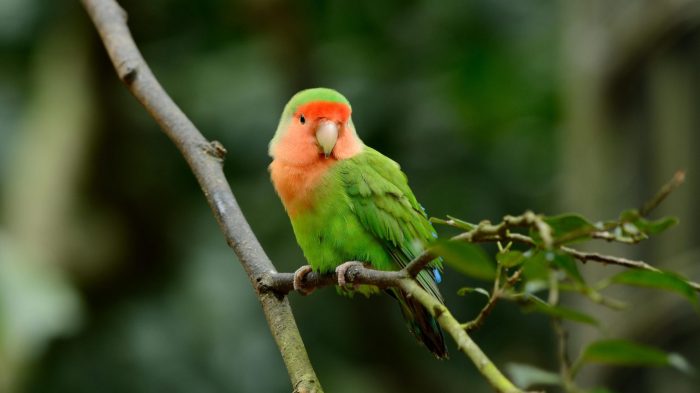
point(302, 119)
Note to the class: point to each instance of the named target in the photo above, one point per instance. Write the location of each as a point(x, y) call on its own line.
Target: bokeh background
point(115, 278)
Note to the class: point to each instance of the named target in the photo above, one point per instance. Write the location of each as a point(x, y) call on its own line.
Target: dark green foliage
point(626, 353)
point(535, 304)
point(510, 258)
point(570, 228)
point(534, 256)
point(658, 280)
point(525, 375)
point(468, 259)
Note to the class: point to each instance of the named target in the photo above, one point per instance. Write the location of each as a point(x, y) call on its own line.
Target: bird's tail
point(423, 326)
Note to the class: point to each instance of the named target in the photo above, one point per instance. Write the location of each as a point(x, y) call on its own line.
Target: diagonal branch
point(666, 190)
point(358, 274)
point(205, 159)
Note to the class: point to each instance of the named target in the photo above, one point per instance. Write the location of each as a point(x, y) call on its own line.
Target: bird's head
point(315, 125)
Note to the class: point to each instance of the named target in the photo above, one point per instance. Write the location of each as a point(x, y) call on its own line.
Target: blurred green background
point(115, 278)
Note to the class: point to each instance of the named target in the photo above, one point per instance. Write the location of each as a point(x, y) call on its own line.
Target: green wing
point(384, 204)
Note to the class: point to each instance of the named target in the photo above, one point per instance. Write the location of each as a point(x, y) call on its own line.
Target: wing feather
point(379, 195)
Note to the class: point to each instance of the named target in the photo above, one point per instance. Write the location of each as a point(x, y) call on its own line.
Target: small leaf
point(626, 353)
point(536, 267)
point(567, 263)
point(466, 258)
point(525, 375)
point(510, 258)
point(539, 305)
point(658, 280)
point(630, 215)
point(632, 221)
point(467, 290)
point(569, 228)
point(453, 222)
point(467, 226)
point(658, 226)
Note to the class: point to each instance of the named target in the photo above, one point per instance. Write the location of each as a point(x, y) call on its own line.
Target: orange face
point(318, 135)
point(318, 131)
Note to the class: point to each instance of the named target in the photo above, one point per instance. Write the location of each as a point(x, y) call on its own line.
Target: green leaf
point(467, 290)
point(538, 305)
point(658, 280)
point(567, 263)
point(626, 353)
point(536, 267)
point(467, 226)
point(569, 228)
point(630, 215)
point(510, 258)
point(453, 222)
point(631, 221)
point(657, 226)
point(466, 258)
point(525, 375)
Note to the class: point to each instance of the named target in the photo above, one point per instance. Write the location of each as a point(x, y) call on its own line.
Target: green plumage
point(364, 210)
point(361, 209)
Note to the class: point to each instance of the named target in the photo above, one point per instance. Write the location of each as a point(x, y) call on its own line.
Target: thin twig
point(464, 343)
point(496, 294)
point(562, 337)
point(205, 159)
point(487, 232)
point(675, 182)
point(607, 259)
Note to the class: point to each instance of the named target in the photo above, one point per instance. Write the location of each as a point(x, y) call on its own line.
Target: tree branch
point(497, 292)
point(205, 159)
point(608, 259)
point(675, 182)
point(403, 279)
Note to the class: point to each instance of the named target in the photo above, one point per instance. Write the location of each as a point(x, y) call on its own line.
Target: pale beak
point(327, 135)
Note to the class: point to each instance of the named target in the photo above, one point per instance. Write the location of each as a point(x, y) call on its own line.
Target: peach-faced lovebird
point(348, 202)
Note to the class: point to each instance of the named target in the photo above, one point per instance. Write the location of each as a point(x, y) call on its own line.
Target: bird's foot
point(299, 277)
point(341, 270)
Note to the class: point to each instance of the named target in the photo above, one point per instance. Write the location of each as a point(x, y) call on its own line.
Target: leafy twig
point(487, 232)
point(608, 259)
point(497, 292)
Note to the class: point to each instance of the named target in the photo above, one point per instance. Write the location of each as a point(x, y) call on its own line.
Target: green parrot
point(348, 202)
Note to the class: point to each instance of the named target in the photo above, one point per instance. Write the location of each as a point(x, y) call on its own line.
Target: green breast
point(330, 233)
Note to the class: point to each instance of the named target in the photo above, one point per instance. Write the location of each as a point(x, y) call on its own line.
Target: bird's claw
point(341, 270)
point(299, 277)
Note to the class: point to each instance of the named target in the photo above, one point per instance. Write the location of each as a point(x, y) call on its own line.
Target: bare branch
point(675, 182)
point(205, 159)
point(608, 259)
point(283, 283)
point(497, 292)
